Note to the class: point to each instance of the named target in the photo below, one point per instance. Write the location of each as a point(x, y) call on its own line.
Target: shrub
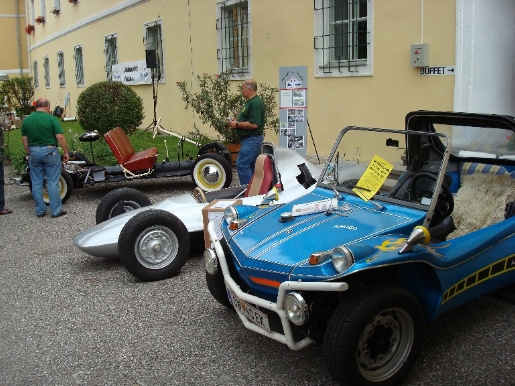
point(106, 105)
point(19, 92)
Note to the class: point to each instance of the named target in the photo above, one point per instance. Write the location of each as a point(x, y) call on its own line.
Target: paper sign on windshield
point(373, 178)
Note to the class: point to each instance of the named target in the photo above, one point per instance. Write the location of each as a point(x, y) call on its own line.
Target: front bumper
point(277, 307)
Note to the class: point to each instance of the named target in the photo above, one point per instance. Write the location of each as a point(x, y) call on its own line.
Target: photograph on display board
point(295, 115)
point(288, 128)
point(299, 98)
point(296, 142)
point(283, 128)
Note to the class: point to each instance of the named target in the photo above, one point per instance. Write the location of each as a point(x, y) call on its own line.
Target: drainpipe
point(18, 36)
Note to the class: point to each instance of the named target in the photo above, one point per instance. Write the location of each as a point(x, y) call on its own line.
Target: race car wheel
point(211, 172)
point(216, 285)
point(65, 187)
point(374, 336)
point(120, 201)
point(154, 245)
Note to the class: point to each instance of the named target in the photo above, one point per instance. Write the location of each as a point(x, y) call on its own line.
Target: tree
point(19, 92)
point(106, 105)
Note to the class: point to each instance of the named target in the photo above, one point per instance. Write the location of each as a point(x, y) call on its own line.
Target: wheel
point(120, 201)
point(216, 285)
point(211, 172)
point(445, 204)
point(374, 336)
point(154, 245)
point(65, 187)
point(199, 195)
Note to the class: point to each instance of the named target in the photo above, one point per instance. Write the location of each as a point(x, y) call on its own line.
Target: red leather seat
point(123, 150)
point(263, 177)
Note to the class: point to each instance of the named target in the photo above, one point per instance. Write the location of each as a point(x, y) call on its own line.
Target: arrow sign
point(435, 71)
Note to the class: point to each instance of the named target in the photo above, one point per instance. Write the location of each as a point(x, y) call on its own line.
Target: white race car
point(154, 241)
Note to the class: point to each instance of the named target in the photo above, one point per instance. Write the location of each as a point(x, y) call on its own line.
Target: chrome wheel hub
point(156, 247)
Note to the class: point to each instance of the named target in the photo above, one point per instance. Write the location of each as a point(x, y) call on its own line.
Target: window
point(111, 55)
point(154, 41)
point(35, 73)
point(43, 8)
point(79, 65)
point(32, 12)
point(57, 4)
point(60, 67)
point(233, 30)
point(342, 37)
point(46, 69)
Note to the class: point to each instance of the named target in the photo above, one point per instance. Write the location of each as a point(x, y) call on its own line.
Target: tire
point(120, 201)
point(65, 187)
point(211, 172)
point(216, 285)
point(374, 336)
point(154, 245)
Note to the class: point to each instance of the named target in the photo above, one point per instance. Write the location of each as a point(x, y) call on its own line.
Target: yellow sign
point(373, 178)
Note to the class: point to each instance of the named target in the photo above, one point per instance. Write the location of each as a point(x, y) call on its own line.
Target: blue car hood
point(265, 243)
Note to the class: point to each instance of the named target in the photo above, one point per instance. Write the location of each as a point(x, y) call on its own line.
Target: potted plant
point(40, 20)
point(29, 29)
point(55, 11)
point(73, 2)
point(216, 100)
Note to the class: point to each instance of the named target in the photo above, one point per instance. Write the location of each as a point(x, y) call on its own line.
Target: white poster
point(132, 73)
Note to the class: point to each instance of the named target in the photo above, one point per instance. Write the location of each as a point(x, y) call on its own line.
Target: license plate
point(252, 313)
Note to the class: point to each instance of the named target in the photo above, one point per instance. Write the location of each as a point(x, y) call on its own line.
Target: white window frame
point(225, 50)
point(35, 74)
point(78, 56)
point(326, 65)
point(60, 69)
point(110, 60)
point(46, 68)
point(159, 72)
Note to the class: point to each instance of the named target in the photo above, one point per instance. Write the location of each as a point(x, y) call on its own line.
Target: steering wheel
point(445, 204)
point(199, 195)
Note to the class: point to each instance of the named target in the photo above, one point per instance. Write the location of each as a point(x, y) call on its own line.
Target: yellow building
point(13, 42)
point(359, 54)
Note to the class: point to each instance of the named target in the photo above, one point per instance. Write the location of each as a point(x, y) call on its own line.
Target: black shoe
point(61, 213)
point(41, 215)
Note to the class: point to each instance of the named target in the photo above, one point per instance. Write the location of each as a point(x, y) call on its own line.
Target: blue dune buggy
point(401, 228)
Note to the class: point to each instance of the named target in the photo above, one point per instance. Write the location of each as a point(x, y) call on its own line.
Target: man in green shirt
point(41, 132)
point(249, 127)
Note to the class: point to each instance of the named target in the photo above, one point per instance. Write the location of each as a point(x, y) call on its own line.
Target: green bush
point(19, 92)
point(106, 105)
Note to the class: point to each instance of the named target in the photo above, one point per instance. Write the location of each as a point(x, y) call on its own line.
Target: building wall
point(13, 40)
point(282, 35)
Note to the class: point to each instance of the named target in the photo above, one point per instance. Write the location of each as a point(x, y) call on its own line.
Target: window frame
point(79, 65)
point(326, 64)
point(109, 62)
point(225, 36)
point(60, 69)
point(46, 68)
point(35, 73)
point(159, 72)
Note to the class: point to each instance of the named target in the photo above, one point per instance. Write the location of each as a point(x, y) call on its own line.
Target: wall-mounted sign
point(438, 70)
point(132, 73)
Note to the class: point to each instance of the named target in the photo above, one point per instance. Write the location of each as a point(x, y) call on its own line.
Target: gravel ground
point(68, 318)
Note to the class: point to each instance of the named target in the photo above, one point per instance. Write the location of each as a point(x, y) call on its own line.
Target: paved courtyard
point(67, 318)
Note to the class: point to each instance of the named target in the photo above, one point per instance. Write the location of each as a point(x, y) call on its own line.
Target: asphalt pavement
point(67, 318)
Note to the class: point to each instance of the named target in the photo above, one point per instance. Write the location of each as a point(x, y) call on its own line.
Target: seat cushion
point(263, 177)
point(144, 159)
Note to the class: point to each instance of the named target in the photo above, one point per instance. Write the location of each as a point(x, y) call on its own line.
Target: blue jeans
point(250, 149)
point(45, 162)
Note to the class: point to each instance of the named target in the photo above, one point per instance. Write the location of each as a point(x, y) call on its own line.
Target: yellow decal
point(498, 268)
point(373, 178)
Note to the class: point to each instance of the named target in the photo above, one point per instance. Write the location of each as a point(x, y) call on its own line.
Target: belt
point(42, 145)
point(250, 136)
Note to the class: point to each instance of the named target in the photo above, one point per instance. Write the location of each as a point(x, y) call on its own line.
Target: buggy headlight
point(230, 214)
point(296, 308)
point(210, 261)
point(342, 258)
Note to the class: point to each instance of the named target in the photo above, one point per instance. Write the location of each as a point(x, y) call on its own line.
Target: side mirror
point(419, 235)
